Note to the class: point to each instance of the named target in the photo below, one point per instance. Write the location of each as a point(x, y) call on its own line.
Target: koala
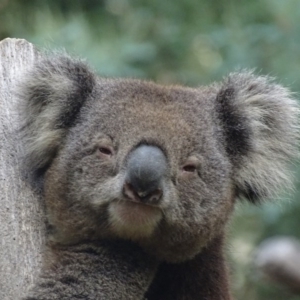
point(139, 179)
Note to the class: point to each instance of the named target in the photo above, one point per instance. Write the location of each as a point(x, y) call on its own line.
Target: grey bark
point(21, 212)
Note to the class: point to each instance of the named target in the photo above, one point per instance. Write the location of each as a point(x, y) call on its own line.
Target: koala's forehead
point(141, 110)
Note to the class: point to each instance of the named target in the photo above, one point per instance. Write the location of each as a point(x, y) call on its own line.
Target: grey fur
point(220, 142)
point(125, 273)
point(269, 111)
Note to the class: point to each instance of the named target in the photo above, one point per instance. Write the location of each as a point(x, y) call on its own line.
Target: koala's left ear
point(259, 120)
point(51, 95)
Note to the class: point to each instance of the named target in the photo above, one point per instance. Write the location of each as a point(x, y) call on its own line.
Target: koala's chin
point(132, 220)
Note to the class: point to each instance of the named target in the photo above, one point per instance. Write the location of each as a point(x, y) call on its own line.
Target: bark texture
point(21, 211)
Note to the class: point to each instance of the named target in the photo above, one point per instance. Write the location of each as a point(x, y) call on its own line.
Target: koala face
point(162, 166)
point(136, 132)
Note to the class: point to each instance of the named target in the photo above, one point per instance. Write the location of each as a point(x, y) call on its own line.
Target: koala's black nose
point(146, 168)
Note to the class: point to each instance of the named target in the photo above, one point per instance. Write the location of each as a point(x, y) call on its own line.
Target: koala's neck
point(204, 277)
point(104, 271)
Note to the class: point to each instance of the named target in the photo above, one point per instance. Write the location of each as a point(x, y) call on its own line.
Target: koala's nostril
point(154, 197)
point(150, 197)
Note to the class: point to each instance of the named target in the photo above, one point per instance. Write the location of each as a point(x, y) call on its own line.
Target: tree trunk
point(21, 212)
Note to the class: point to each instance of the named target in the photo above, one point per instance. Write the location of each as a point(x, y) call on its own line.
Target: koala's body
point(139, 179)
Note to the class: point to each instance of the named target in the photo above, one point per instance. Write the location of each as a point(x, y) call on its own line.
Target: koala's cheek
point(133, 220)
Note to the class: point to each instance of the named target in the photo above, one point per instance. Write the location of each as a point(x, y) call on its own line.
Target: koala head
point(159, 165)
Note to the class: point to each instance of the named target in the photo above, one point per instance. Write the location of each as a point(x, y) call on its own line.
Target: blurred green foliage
point(190, 42)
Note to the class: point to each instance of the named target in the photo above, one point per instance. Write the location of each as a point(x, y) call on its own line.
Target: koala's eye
point(105, 151)
point(189, 168)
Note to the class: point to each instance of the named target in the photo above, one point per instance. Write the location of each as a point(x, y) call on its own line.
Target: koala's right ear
point(51, 94)
point(260, 121)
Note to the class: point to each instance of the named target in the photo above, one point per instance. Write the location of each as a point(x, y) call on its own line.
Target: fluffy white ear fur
point(268, 117)
point(53, 93)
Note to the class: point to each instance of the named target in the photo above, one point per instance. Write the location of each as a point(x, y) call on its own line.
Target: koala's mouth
point(129, 219)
